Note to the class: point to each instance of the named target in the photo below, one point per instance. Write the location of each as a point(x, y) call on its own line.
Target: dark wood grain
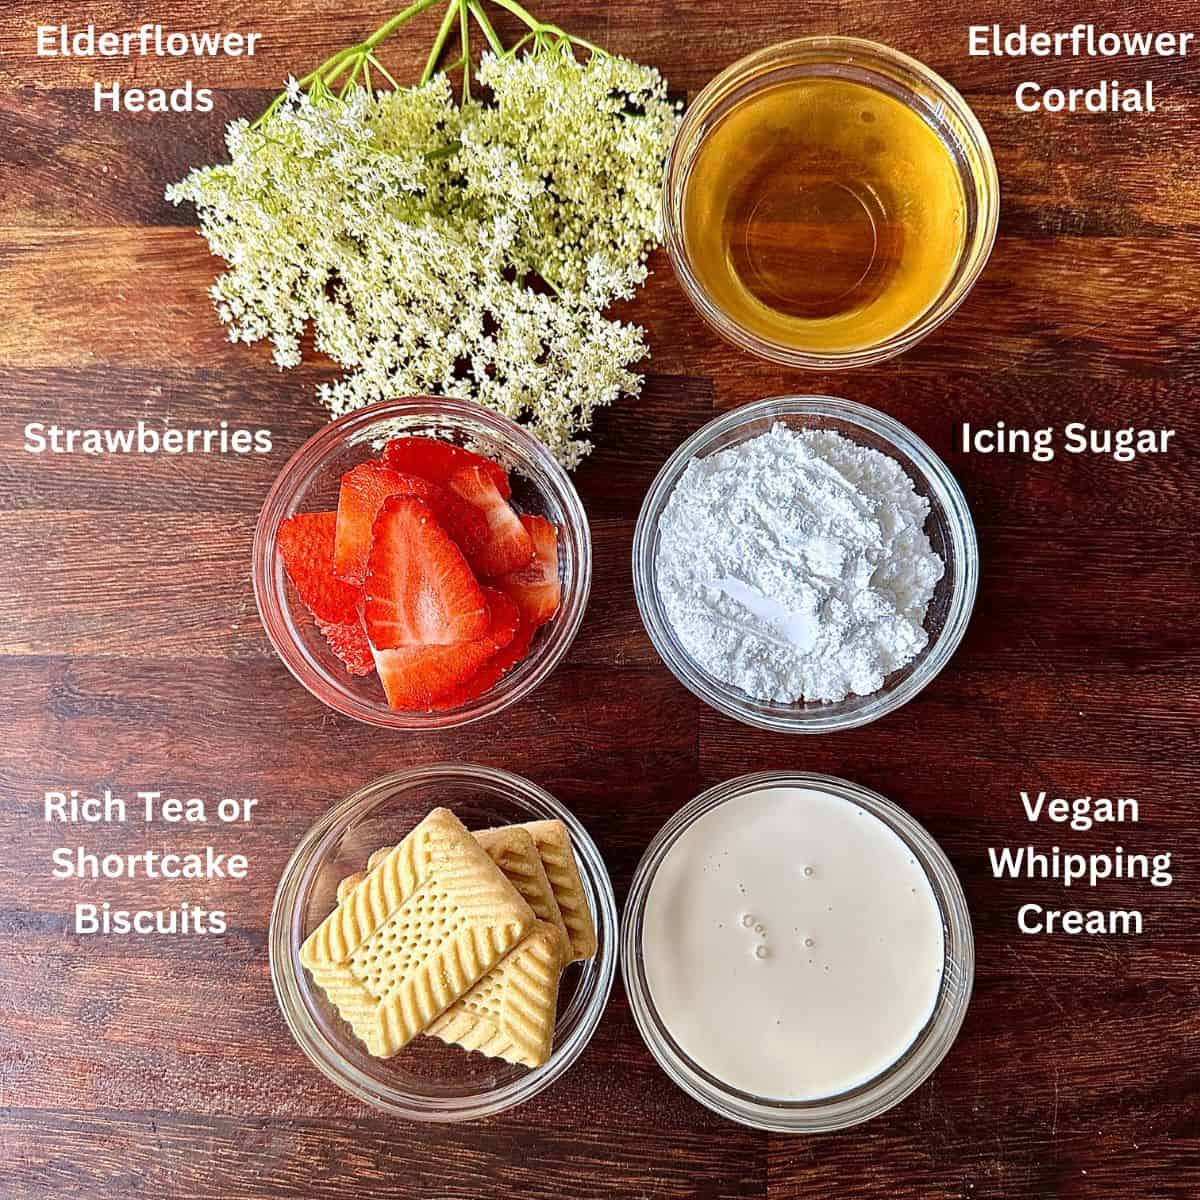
point(131, 655)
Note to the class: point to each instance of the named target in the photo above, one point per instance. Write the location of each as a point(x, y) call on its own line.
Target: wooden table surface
point(131, 655)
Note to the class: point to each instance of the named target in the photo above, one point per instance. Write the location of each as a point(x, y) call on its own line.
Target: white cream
point(793, 945)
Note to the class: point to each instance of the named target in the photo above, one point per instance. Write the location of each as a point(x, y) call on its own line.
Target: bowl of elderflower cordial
point(828, 202)
point(422, 563)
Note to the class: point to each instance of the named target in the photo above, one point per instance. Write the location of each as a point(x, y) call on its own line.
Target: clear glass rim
point(936, 477)
point(269, 589)
point(287, 973)
point(902, 1077)
point(981, 179)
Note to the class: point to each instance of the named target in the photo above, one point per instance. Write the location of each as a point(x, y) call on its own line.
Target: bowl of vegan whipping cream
point(797, 952)
point(805, 564)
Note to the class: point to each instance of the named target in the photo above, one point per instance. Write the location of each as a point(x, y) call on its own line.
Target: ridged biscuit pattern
point(510, 1013)
point(553, 844)
point(512, 849)
point(347, 885)
point(432, 917)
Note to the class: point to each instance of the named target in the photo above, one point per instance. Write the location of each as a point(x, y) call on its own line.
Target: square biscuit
point(347, 885)
point(511, 1012)
point(553, 844)
point(432, 917)
point(512, 849)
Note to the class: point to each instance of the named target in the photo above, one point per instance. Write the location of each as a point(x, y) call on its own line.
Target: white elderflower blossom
point(461, 250)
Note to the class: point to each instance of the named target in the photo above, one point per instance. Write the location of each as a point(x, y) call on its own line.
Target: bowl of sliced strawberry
point(422, 563)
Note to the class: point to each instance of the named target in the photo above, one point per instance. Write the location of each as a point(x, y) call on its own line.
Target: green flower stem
point(439, 43)
point(540, 29)
point(518, 46)
point(332, 61)
point(484, 23)
point(358, 66)
point(359, 59)
point(389, 27)
point(464, 27)
point(382, 70)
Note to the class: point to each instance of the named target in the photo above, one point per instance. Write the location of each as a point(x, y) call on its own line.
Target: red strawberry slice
point(416, 677)
point(363, 491)
point(508, 546)
point(492, 671)
point(419, 588)
point(306, 543)
point(348, 640)
point(504, 621)
point(438, 460)
point(536, 587)
point(462, 521)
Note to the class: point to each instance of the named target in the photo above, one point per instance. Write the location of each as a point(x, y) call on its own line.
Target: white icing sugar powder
point(795, 565)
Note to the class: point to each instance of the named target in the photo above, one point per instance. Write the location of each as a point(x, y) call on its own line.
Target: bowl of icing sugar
point(805, 564)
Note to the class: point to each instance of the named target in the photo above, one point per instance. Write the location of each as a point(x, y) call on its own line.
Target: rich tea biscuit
point(512, 849)
point(347, 885)
point(553, 844)
point(432, 918)
point(511, 1012)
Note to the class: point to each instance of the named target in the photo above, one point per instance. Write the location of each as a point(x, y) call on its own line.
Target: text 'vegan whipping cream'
point(793, 945)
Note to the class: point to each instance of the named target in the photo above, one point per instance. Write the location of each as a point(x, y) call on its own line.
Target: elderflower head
point(456, 250)
point(593, 135)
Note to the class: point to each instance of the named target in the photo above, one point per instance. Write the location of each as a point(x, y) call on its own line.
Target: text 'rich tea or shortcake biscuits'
point(553, 844)
point(432, 917)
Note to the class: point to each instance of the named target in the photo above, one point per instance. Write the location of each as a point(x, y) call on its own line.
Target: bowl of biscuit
point(443, 942)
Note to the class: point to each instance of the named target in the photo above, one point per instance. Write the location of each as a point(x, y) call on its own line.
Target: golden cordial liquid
point(823, 215)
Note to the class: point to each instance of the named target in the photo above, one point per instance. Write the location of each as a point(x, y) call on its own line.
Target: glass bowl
point(887, 70)
point(429, 1081)
point(310, 482)
point(886, 1089)
point(949, 526)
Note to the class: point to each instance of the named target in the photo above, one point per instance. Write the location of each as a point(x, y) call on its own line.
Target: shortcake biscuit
point(431, 918)
point(512, 849)
point(553, 844)
point(347, 885)
point(510, 1013)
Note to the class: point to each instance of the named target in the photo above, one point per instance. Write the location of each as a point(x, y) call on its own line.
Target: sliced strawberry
point(504, 619)
point(363, 491)
point(419, 588)
point(508, 547)
point(416, 677)
point(438, 460)
point(306, 547)
point(462, 521)
point(348, 640)
point(492, 671)
point(536, 587)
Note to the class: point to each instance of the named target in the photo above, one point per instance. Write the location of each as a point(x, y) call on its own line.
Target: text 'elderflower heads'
point(466, 249)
